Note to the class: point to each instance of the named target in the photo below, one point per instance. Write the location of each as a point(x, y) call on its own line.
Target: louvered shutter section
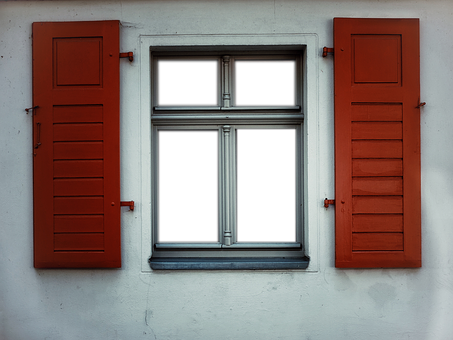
point(76, 178)
point(377, 143)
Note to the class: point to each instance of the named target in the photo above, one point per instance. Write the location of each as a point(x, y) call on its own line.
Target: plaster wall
point(137, 303)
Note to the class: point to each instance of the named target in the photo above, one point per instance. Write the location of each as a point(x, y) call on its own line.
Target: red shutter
point(377, 143)
point(76, 145)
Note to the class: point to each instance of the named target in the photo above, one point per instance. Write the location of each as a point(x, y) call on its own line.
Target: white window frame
point(309, 42)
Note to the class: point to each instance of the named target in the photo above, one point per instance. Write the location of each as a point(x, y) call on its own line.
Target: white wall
point(137, 303)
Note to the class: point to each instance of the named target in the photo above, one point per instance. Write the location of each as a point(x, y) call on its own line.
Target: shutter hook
point(420, 105)
point(31, 109)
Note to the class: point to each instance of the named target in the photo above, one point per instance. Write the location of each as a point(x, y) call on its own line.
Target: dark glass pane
point(266, 188)
point(265, 83)
point(187, 83)
point(188, 186)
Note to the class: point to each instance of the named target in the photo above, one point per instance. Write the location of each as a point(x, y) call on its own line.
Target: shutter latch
point(326, 50)
point(129, 55)
point(129, 204)
point(328, 202)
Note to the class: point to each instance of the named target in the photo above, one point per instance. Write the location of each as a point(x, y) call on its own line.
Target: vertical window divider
point(226, 82)
point(226, 182)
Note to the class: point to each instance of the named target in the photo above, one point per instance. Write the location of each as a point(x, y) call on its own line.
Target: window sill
point(214, 263)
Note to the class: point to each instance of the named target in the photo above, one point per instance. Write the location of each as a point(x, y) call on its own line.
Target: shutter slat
point(78, 205)
point(377, 204)
point(77, 242)
point(377, 186)
point(377, 130)
point(77, 114)
point(377, 223)
point(377, 167)
point(78, 168)
point(377, 149)
point(377, 241)
point(78, 187)
point(77, 132)
point(362, 112)
point(78, 150)
point(78, 223)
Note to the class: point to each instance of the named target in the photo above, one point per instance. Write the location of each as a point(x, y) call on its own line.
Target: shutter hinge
point(326, 50)
point(328, 202)
point(129, 55)
point(129, 204)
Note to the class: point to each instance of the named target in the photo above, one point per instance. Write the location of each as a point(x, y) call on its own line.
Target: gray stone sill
point(227, 263)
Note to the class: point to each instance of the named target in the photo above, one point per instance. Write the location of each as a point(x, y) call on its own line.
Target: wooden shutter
point(76, 179)
point(377, 143)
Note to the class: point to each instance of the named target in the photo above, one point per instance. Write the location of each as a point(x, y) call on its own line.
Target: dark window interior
point(265, 82)
point(266, 170)
point(187, 82)
point(188, 178)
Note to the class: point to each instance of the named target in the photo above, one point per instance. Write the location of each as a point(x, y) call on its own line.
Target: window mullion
point(226, 82)
point(226, 182)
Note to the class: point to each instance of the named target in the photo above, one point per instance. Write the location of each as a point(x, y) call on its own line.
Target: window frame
point(307, 42)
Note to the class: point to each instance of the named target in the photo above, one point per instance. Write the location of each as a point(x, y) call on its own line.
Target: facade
point(313, 297)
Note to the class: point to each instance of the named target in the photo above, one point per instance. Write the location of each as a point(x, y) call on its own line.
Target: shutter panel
point(76, 178)
point(377, 143)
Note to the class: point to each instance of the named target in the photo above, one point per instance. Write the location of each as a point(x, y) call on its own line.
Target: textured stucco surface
point(136, 303)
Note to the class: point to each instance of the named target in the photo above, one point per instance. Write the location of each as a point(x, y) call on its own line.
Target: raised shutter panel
point(76, 181)
point(377, 143)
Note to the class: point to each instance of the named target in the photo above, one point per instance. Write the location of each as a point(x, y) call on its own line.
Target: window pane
point(265, 83)
point(187, 82)
point(266, 185)
point(188, 186)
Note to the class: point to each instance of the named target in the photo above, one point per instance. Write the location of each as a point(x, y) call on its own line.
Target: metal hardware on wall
point(328, 202)
point(326, 50)
point(129, 204)
point(129, 55)
point(420, 105)
point(31, 109)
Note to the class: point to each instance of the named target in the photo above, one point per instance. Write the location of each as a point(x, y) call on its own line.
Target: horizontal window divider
point(260, 108)
point(260, 245)
point(232, 108)
point(187, 108)
point(235, 246)
point(180, 246)
point(226, 119)
point(233, 263)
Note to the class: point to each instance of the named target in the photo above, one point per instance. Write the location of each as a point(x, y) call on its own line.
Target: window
point(227, 164)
